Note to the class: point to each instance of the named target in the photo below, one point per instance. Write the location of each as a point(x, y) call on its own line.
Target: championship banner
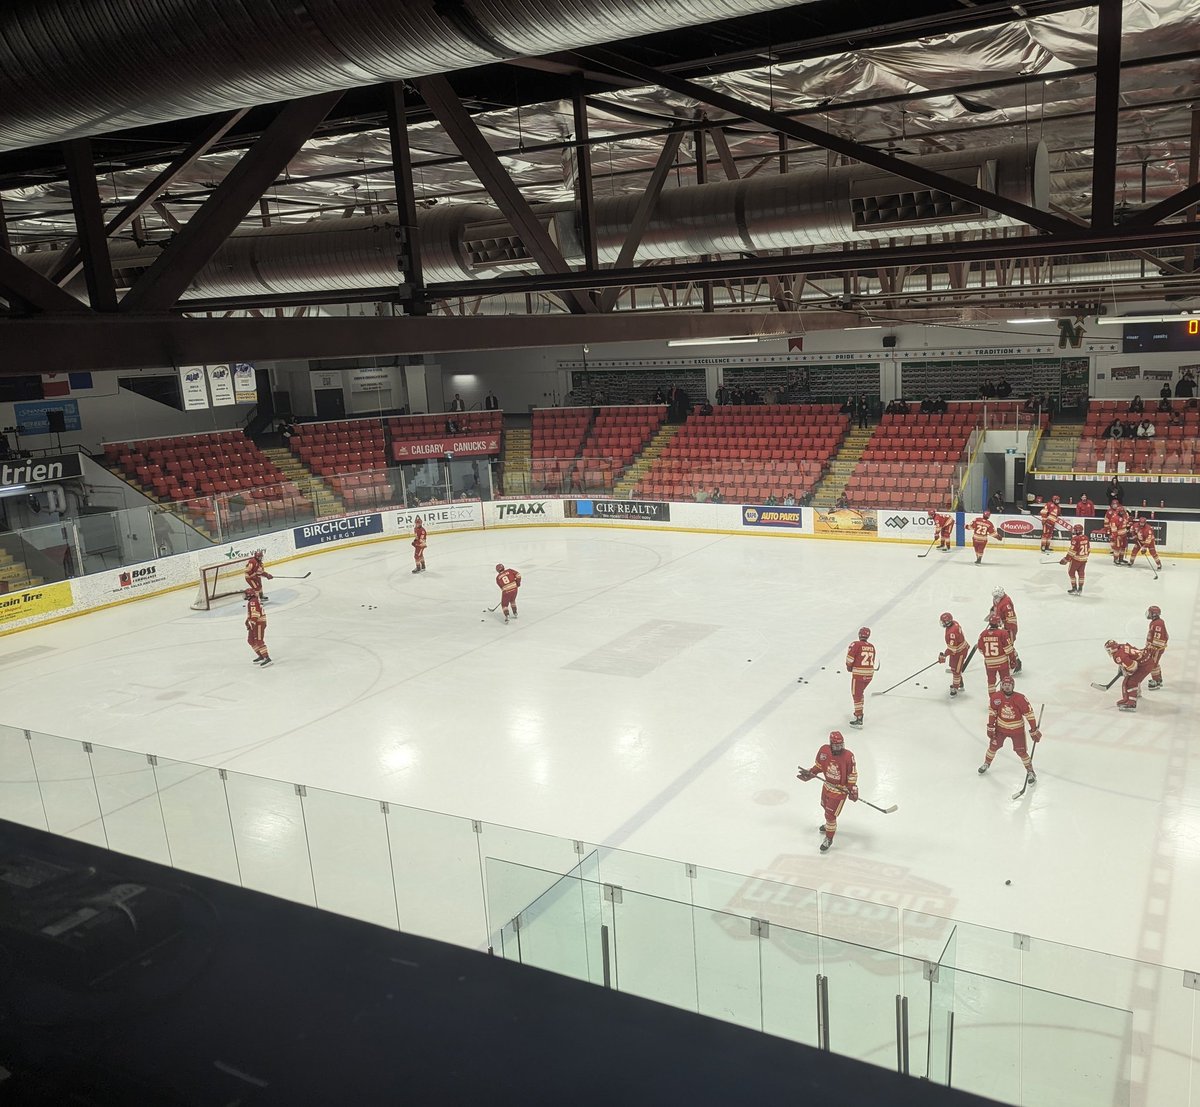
point(35, 601)
point(791, 518)
point(245, 383)
point(1125, 372)
point(220, 384)
point(479, 446)
point(192, 387)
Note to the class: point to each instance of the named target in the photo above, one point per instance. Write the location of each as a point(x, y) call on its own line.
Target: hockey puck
point(1008, 882)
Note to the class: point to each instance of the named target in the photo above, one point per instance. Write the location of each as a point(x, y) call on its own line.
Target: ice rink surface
point(648, 698)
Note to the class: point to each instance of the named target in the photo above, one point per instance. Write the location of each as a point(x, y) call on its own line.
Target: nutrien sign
point(40, 470)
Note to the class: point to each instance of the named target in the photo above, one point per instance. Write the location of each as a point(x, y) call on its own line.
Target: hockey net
point(218, 582)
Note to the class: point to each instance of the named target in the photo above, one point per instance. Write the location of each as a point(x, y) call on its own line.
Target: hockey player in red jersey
point(1135, 666)
point(1116, 522)
point(981, 530)
point(995, 648)
point(508, 581)
point(256, 628)
point(1156, 645)
point(1050, 513)
point(419, 542)
point(943, 528)
point(1002, 605)
point(1143, 542)
point(255, 573)
point(861, 665)
point(1008, 712)
point(838, 774)
point(955, 652)
point(1076, 559)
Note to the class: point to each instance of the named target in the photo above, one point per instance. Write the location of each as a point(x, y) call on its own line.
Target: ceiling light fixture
point(709, 341)
point(1121, 320)
point(1018, 322)
point(865, 327)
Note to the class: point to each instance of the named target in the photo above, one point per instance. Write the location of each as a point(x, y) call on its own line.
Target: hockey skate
point(417, 569)
point(506, 620)
point(264, 662)
point(1127, 705)
point(1154, 685)
point(983, 768)
point(1072, 591)
point(826, 843)
point(953, 691)
point(979, 561)
point(857, 720)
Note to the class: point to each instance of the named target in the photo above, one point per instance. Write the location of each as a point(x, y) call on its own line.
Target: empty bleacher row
point(910, 460)
point(750, 453)
point(191, 469)
point(1174, 447)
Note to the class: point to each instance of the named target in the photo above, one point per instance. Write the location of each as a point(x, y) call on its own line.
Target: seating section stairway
point(616, 437)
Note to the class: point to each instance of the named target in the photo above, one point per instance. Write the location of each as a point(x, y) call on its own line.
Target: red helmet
point(987, 514)
point(994, 619)
point(1007, 684)
point(1110, 645)
point(1153, 612)
point(249, 593)
point(1077, 529)
point(836, 740)
point(864, 633)
point(1116, 503)
point(499, 568)
point(1054, 499)
point(947, 618)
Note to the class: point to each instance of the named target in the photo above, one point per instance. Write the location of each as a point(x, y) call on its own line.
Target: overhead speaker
point(56, 421)
point(889, 341)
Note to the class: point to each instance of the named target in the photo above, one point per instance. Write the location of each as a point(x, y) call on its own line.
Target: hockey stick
point(491, 609)
point(1018, 795)
point(906, 679)
point(968, 660)
point(1106, 687)
point(931, 544)
point(282, 576)
point(885, 810)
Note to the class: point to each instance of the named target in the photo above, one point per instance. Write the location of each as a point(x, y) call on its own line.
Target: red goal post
point(218, 582)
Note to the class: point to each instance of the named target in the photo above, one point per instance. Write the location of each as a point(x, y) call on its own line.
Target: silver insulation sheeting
point(472, 242)
point(74, 68)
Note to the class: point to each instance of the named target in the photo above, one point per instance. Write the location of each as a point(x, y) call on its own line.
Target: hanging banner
point(245, 382)
point(447, 447)
point(193, 388)
point(220, 385)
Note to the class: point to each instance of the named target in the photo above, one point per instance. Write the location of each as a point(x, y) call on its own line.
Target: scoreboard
point(1181, 334)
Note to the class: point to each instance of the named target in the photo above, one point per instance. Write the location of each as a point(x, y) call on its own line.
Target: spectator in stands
point(457, 403)
point(927, 406)
point(940, 407)
point(850, 407)
point(1114, 429)
point(706, 408)
point(864, 409)
point(735, 395)
point(1146, 429)
point(490, 403)
point(1031, 405)
point(1176, 416)
point(722, 395)
point(1114, 491)
point(451, 427)
point(1185, 387)
point(771, 501)
point(1164, 396)
point(1136, 406)
point(1084, 507)
point(842, 503)
point(1003, 389)
point(998, 504)
point(700, 495)
point(897, 407)
point(987, 390)
point(1129, 428)
point(287, 432)
point(789, 500)
point(659, 398)
point(715, 497)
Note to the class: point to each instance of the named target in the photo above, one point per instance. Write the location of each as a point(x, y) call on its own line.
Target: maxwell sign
point(1017, 528)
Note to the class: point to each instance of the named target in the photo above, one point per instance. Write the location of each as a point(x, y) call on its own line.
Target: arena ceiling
point(539, 181)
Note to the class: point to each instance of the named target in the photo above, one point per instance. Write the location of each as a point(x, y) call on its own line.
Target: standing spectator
point(1084, 507)
point(659, 398)
point(1003, 389)
point(1114, 491)
point(457, 403)
point(998, 501)
point(835, 768)
point(1185, 387)
point(864, 409)
point(1164, 396)
point(850, 407)
point(987, 390)
point(490, 403)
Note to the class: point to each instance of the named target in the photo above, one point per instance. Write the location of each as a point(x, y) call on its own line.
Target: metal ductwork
point(74, 68)
point(473, 242)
